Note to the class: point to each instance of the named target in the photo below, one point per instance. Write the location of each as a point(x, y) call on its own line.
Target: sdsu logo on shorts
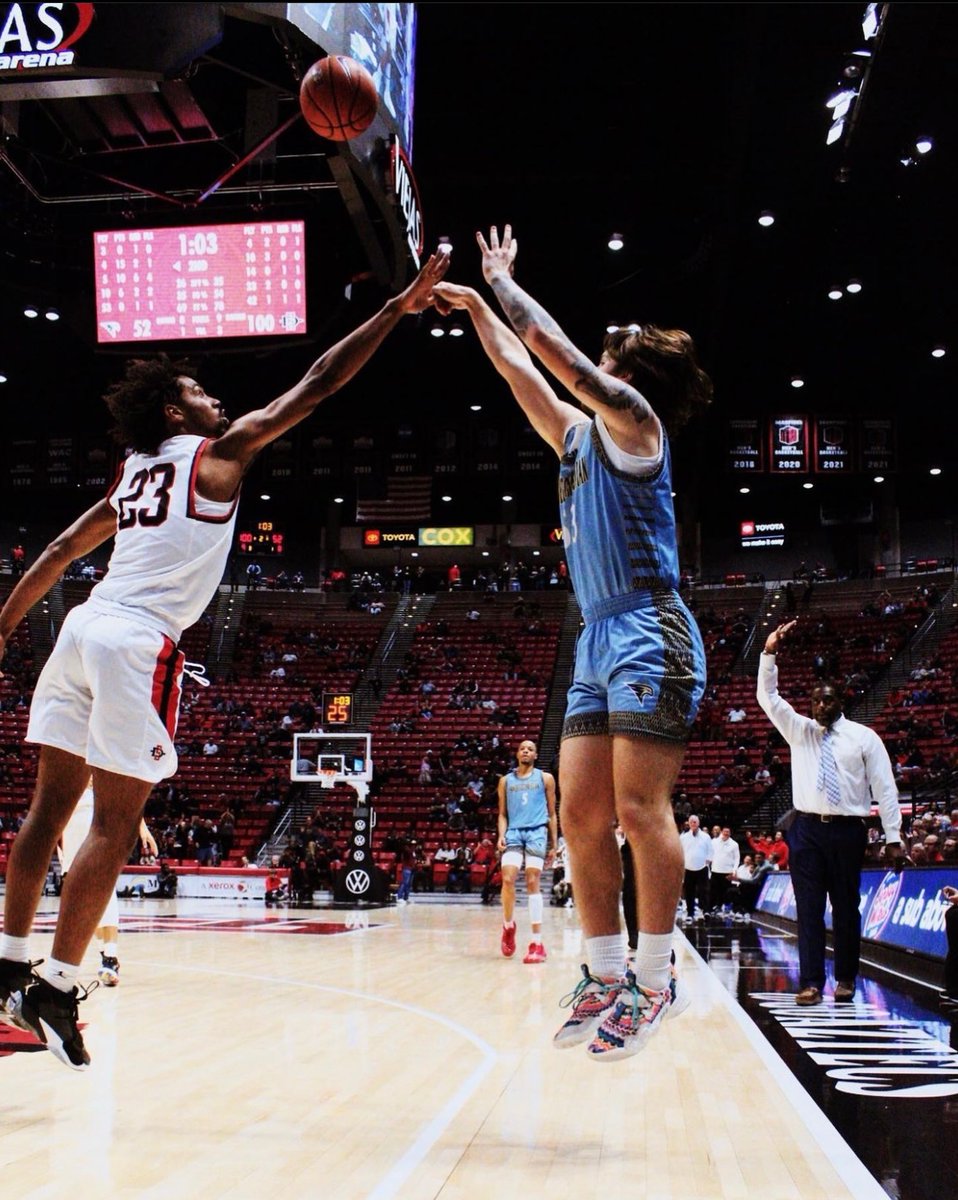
point(157, 753)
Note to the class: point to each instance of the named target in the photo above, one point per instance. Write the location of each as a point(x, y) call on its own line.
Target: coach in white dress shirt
point(839, 768)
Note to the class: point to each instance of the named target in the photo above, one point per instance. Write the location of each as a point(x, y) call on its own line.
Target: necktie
point(827, 780)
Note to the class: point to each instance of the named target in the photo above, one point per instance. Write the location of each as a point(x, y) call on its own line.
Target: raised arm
point(627, 414)
point(222, 467)
point(91, 530)
point(549, 416)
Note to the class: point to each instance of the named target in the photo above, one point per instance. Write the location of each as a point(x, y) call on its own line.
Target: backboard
point(347, 755)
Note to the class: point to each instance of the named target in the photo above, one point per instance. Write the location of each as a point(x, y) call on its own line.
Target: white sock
point(653, 959)
point(535, 909)
point(509, 924)
point(606, 955)
point(61, 975)
point(14, 948)
point(109, 950)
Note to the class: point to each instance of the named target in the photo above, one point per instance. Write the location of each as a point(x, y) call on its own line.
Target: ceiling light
point(337, 500)
point(612, 329)
point(31, 311)
point(475, 408)
point(870, 22)
point(744, 491)
point(840, 103)
point(414, 554)
point(935, 471)
point(835, 131)
point(507, 497)
point(437, 331)
point(766, 218)
point(808, 486)
point(485, 554)
point(616, 241)
point(265, 496)
point(938, 352)
point(3, 379)
point(456, 331)
point(797, 381)
point(535, 553)
point(445, 244)
point(835, 292)
point(854, 286)
point(445, 499)
point(52, 314)
point(923, 145)
point(879, 478)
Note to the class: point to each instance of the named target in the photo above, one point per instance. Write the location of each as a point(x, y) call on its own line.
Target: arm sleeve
point(785, 719)
point(881, 781)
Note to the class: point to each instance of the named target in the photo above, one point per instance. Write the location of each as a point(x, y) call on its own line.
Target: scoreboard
point(337, 708)
point(264, 538)
point(200, 281)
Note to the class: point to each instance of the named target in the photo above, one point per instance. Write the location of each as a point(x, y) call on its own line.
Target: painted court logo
point(882, 906)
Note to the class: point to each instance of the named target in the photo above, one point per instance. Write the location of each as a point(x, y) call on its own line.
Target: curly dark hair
point(662, 364)
point(137, 401)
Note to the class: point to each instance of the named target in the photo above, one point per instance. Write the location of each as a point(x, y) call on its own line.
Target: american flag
point(408, 498)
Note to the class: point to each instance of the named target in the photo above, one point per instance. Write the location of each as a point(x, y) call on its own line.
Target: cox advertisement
point(906, 910)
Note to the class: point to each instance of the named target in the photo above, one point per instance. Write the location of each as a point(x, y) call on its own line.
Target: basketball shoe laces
point(586, 989)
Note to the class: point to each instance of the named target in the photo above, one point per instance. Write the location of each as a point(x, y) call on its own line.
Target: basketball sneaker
point(508, 943)
point(52, 1016)
point(680, 993)
point(591, 1001)
point(15, 978)
point(536, 953)
point(636, 1016)
point(109, 972)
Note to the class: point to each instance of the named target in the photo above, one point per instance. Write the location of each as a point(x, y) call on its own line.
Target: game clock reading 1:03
point(337, 708)
point(264, 539)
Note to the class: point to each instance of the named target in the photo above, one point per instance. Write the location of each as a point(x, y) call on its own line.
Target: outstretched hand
point(419, 295)
point(447, 296)
point(496, 259)
point(774, 639)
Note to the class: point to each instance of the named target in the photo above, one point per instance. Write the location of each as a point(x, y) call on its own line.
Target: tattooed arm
point(549, 416)
point(628, 416)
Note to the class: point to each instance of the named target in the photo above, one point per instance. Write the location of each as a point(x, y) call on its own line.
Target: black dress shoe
point(844, 992)
point(808, 996)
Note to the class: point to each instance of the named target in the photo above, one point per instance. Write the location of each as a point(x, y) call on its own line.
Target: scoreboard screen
point(265, 538)
point(337, 708)
point(200, 281)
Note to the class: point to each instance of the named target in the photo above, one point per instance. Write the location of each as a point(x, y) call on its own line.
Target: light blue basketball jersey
point(618, 529)
point(526, 803)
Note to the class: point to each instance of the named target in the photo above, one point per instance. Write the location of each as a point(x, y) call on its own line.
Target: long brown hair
point(663, 365)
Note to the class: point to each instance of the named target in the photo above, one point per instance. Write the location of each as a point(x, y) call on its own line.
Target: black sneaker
point(15, 978)
point(52, 1016)
point(109, 972)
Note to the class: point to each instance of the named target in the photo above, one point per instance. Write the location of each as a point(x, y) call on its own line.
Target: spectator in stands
point(725, 861)
point(210, 747)
point(736, 714)
point(254, 573)
point(18, 559)
point(425, 769)
point(473, 614)
point(933, 853)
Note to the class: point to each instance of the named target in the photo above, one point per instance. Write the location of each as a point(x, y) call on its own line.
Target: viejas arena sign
point(36, 37)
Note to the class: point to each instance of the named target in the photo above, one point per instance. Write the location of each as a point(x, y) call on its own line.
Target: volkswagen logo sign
point(357, 882)
point(360, 825)
point(359, 855)
point(359, 840)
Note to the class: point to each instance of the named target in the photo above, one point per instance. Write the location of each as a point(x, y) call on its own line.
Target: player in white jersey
point(107, 699)
point(108, 931)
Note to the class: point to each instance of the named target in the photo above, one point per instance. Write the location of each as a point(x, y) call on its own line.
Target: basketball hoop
point(327, 779)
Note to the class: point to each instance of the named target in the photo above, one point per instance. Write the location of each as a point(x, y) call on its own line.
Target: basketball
point(338, 98)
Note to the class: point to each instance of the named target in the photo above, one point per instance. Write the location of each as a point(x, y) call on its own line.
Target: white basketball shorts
point(110, 694)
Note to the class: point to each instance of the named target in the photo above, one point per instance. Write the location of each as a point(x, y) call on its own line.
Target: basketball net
point(327, 779)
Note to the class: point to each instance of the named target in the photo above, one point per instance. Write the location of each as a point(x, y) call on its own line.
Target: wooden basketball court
point(394, 1053)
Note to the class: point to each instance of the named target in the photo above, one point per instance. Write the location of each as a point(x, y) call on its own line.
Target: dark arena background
point(779, 180)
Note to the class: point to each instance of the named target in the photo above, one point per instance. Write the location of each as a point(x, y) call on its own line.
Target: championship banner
point(788, 445)
point(745, 447)
point(834, 452)
point(906, 910)
point(97, 462)
point(23, 457)
point(281, 460)
point(879, 448)
point(321, 459)
point(59, 465)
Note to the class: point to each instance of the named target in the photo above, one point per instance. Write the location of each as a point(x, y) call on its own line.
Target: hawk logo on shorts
point(641, 691)
point(157, 753)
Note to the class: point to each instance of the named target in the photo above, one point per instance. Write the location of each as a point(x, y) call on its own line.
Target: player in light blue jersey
point(527, 834)
point(640, 664)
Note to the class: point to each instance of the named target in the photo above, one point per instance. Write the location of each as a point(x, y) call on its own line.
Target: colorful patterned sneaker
point(637, 1014)
point(15, 978)
point(680, 993)
point(508, 943)
point(109, 972)
point(52, 1016)
point(591, 1002)
point(536, 954)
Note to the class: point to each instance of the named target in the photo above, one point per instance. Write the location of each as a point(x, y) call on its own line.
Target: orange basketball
point(338, 98)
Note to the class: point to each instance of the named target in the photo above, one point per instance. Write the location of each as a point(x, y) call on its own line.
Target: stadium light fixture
point(938, 352)
point(870, 22)
point(52, 314)
point(3, 378)
point(31, 311)
point(507, 497)
point(797, 381)
point(265, 496)
point(338, 500)
point(437, 331)
point(445, 499)
point(744, 491)
point(475, 408)
point(808, 486)
point(616, 241)
point(935, 471)
point(456, 331)
point(853, 287)
point(766, 218)
point(835, 292)
point(879, 479)
point(924, 145)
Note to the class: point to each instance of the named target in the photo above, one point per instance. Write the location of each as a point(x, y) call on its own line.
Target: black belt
point(828, 818)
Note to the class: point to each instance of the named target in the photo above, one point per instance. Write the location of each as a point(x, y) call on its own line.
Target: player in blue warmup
point(527, 833)
point(640, 664)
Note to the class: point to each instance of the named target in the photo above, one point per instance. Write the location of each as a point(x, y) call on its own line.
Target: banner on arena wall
point(745, 445)
point(878, 448)
point(834, 449)
point(22, 462)
point(906, 910)
point(60, 467)
point(788, 445)
point(221, 886)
